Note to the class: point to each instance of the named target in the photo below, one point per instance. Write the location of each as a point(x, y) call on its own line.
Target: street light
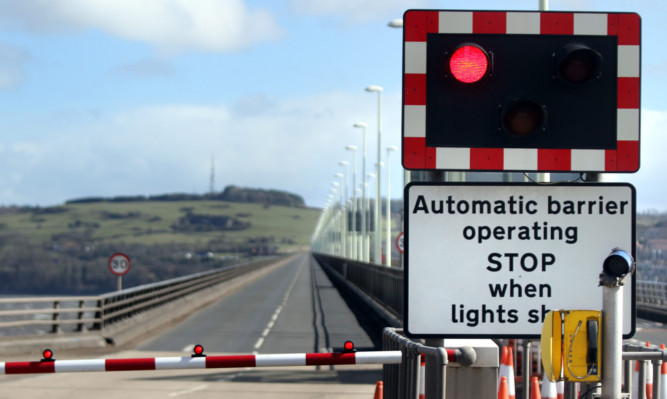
point(378, 233)
point(364, 207)
point(395, 23)
point(334, 221)
point(346, 183)
point(388, 211)
point(367, 246)
point(341, 213)
point(353, 148)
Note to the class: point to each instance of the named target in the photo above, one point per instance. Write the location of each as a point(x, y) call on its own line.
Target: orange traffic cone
point(548, 388)
point(510, 373)
point(663, 377)
point(379, 390)
point(535, 388)
point(502, 389)
point(649, 376)
point(502, 370)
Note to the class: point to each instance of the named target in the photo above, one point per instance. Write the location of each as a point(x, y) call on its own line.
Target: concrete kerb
point(140, 327)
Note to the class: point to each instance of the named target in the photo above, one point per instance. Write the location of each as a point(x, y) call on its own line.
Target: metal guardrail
point(40, 315)
point(652, 293)
point(403, 380)
point(383, 284)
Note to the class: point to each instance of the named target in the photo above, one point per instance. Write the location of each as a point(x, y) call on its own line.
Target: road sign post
point(119, 265)
point(490, 260)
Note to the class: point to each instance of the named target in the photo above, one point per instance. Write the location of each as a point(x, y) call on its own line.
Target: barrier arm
point(198, 361)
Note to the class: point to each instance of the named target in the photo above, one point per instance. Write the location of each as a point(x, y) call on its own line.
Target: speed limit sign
point(119, 264)
point(400, 243)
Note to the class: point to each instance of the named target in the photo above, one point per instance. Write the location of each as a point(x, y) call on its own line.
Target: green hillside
point(67, 246)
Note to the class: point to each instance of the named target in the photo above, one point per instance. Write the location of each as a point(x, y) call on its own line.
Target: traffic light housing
point(522, 91)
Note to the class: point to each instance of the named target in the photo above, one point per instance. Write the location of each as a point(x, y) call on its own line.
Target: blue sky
point(126, 97)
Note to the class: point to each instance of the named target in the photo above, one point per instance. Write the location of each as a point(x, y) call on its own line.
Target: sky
point(123, 97)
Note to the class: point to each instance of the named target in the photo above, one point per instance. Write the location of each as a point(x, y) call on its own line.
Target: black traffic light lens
point(524, 118)
point(618, 264)
point(577, 64)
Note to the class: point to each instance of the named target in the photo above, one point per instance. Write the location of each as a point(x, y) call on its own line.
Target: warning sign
point(490, 260)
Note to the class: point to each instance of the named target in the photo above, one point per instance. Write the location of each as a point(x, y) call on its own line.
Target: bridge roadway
point(293, 309)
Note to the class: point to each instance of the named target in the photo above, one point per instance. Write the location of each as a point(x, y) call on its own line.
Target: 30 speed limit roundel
point(119, 264)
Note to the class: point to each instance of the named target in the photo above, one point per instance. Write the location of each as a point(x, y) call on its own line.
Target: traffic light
point(523, 91)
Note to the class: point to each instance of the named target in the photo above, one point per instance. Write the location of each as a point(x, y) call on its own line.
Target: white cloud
point(170, 25)
point(12, 63)
point(360, 10)
point(294, 144)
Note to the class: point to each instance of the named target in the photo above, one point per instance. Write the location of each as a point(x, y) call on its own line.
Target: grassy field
point(152, 222)
point(67, 247)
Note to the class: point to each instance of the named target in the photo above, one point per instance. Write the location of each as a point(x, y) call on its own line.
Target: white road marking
point(279, 309)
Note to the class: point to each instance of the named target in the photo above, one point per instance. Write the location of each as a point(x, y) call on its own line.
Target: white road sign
point(119, 264)
point(490, 260)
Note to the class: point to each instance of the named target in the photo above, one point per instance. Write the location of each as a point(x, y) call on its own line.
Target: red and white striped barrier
point(663, 377)
point(200, 362)
point(422, 377)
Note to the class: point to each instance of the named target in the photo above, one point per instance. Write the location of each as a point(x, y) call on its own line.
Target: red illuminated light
point(198, 351)
point(349, 345)
point(47, 355)
point(469, 63)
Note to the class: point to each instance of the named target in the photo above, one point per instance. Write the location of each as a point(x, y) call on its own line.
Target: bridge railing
point(652, 293)
point(383, 284)
point(40, 315)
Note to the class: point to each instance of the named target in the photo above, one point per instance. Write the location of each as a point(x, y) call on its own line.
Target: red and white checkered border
point(417, 156)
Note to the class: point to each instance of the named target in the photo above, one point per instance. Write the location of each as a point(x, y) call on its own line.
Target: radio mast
point(212, 179)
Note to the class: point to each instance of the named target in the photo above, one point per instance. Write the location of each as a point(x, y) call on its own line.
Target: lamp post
point(364, 204)
point(388, 211)
point(353, 229)
point(367, 248)
point(378, 234)
point(346, 211)
point(336, 224)
point(341, 214)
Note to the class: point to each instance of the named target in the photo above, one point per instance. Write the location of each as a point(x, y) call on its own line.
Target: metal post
point(527, 369)
point(657, 377)
point(627, 376)
point(55, 326)
point(434, 370)
point(641, 386)
point(438, 374)
point(612, 280)
point(612, 341)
